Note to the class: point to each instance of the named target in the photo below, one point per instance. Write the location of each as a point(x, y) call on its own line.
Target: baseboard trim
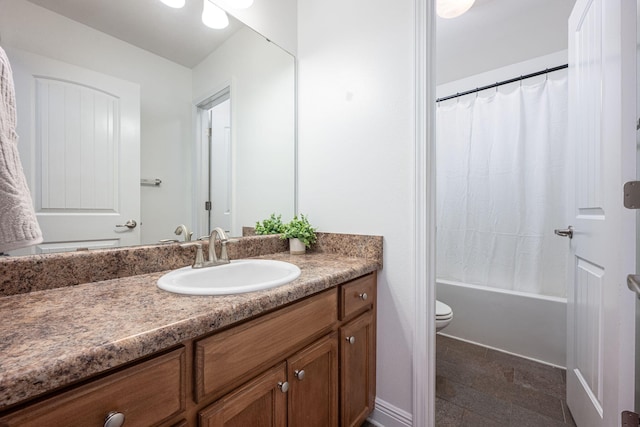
point(387, 415)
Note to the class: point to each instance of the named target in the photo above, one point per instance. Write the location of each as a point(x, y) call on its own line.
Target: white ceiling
point(175, 34)
point(496, 33)
point(485, 31)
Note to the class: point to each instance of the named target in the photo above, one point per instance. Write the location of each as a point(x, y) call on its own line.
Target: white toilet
point(444, 314)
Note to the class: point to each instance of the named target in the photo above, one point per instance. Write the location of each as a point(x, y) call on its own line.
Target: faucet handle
point(199, 261)
point(224, 255)
point(168, 240)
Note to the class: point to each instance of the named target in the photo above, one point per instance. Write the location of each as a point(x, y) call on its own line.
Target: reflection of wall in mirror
point(165, 102)
point(262, 121)
point(274, 19)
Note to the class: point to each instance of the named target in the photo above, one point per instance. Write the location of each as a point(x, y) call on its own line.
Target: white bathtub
point(528, 325)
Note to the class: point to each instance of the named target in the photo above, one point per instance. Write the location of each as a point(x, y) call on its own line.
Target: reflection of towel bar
point(155, 182)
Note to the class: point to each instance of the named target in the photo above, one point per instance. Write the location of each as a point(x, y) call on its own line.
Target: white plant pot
point(296, 247)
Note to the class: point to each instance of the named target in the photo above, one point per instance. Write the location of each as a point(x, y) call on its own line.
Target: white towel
point(18, 224)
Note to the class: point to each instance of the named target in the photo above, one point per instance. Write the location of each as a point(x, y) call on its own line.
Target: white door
point(600, 350)
point(80, 146)
point(214, 170)
point(220, 166)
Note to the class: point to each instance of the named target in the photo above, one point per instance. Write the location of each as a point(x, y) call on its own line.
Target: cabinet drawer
point(146, 393)
point(357, 295)
point(227, 359)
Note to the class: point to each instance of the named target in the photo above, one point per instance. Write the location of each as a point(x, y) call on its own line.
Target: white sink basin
point(243, 275)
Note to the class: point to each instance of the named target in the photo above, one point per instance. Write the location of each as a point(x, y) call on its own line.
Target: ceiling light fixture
point(452, 8)
point(213, 16)
point(240, 4)
point(176, 4)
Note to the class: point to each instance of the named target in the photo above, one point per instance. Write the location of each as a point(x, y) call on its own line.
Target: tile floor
point(477, 386)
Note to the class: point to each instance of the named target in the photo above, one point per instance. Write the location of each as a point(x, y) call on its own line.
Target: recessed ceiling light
point(213, 16)
point(452, 8)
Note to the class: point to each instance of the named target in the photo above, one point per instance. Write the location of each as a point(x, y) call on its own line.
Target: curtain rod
point(504, 82)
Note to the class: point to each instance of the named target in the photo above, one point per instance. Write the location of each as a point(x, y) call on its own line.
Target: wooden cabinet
point(357, 350)
point(227, 359)
point(147, 393)
point(309, 364)
point(302, 391)
point(357, 296)
point(262, 402)
point(357, 374)
point(312, 374)
point(313, 385)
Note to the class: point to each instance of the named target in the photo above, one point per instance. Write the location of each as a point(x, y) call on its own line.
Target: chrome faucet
point(224, 257)
point(213, 259)
point(182, 229)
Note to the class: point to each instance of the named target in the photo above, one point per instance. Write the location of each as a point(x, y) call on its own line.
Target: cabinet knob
point(283, 386)
point(114, 419)
point(299, 374)
point(363, 296)
point(351, 340)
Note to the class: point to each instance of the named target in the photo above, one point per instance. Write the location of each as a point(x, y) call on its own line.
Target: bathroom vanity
point(302, 354)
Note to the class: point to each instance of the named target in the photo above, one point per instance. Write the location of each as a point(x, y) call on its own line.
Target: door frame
point(201, 154)
point(424, 219)
point(424, 338)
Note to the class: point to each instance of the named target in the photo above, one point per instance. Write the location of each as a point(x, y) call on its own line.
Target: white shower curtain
point(501, 189)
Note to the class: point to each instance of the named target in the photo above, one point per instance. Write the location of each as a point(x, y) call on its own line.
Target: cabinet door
point(262, 402)
point(357, 375)
point(146, 393)
point(313, 375)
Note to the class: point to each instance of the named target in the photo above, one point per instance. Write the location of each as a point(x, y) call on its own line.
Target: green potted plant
point(300, 234)
point(271, 225)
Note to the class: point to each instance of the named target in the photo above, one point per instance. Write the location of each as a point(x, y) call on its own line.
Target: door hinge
point(209, 132)
point(630, 419)
point(207, 205)
point(632, 195)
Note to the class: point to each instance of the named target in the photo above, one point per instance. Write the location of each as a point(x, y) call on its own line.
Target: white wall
point(165, 101)
point(531, 65)
point(274, 19)
point(263, 114)
point(356, 126)
point(496, 33)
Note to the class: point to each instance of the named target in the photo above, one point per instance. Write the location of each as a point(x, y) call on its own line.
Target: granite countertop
point(52, 338)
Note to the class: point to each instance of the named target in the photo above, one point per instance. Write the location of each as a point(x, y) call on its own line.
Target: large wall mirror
point(137, 112)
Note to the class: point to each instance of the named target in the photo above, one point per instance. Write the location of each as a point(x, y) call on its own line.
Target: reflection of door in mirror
point(79, 143)
point(214, 176)
point(220, 166)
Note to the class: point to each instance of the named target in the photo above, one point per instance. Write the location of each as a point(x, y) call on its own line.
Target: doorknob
point(633, 282)
point(129, 224)
point(568, 232)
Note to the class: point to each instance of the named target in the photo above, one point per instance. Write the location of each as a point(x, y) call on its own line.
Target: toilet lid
point(443, 310)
